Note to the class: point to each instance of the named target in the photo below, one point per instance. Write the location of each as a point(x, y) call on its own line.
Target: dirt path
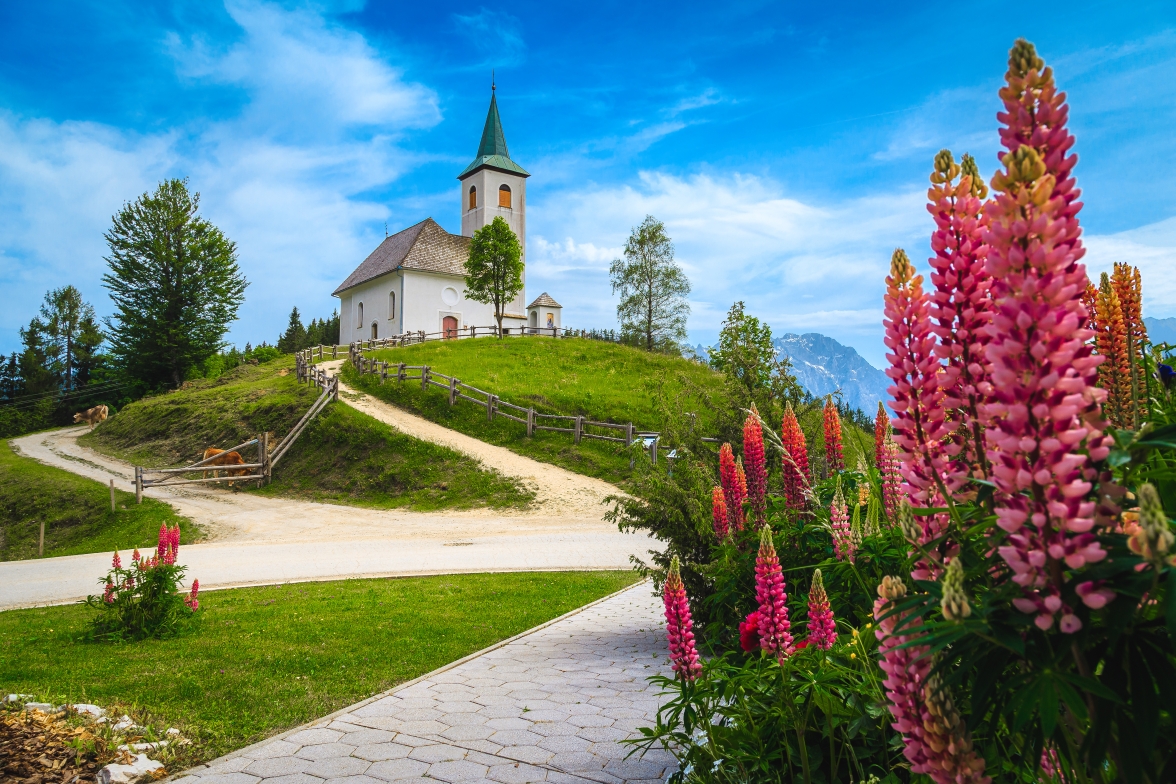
point(558, 492)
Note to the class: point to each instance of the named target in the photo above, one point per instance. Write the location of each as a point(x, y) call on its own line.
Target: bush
point(145, 600)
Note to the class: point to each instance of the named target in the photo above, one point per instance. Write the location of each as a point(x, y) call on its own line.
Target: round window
point(449, 296)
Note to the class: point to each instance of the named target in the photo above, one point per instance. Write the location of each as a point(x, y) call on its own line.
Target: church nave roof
point(425, 246)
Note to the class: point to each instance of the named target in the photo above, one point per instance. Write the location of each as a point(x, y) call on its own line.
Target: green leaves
point(653, 288)
point(494, 269)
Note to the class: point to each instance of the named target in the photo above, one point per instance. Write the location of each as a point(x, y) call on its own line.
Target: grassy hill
point(343, 456)
point(603, 381)
point(76, 512)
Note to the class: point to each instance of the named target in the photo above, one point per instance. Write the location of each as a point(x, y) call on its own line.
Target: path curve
point(257, 540)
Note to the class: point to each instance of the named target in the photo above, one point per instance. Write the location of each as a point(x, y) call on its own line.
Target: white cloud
point(496, 35)
point(1152, 248)
point(800, 265)
point(286, 178)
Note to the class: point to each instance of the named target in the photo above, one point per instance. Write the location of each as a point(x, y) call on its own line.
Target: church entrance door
point(449, 324)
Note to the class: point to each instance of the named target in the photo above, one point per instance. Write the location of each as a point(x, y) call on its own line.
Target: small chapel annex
point(415, 280)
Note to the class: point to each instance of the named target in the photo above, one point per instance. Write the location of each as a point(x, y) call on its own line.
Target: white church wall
point(487, 182)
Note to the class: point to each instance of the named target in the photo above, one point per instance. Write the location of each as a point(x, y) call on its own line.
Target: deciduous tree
point(653, 288)
point(494, 269)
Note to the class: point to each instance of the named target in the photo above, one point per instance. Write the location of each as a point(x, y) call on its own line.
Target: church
point(415, 280)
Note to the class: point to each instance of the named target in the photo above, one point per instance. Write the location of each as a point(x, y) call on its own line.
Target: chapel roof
point(492, 152)
point(425, 246)
point(544, 300)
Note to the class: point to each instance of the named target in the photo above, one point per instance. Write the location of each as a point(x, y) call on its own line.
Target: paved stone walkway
point(550, 705)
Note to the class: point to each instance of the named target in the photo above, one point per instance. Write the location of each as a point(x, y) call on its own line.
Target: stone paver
point(548, 707)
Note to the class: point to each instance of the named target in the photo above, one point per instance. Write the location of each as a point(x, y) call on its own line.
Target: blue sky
point(785, 145)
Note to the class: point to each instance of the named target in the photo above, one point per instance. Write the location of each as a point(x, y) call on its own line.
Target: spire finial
point(492, 87)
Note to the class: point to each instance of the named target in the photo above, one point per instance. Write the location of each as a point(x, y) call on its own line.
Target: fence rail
point(268, 455)
point(494, 406)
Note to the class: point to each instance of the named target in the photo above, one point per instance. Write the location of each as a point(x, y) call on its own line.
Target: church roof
point(544, 300)
point(425, 246)
point(492, 152)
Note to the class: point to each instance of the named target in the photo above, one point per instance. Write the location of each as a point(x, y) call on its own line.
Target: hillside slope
point(343, 456)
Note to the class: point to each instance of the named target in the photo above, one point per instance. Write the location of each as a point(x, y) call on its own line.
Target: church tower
point(495, 186)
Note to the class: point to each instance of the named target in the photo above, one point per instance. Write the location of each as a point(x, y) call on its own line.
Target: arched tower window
point(503, 195)
point(473, 198)
point(360, 313)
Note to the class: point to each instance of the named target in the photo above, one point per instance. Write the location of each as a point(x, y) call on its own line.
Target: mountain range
point(823, 366)
point(1161, 330)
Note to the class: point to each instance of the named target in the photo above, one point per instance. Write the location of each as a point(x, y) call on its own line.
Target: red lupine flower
point(795, 461)
point(719, 513)
point(753, 461)
point(191, 600)
point(108, 593)
point(749, 639)
point(961, 303)
point(1110, 338)
point(834, 457)
point(679, 626)
point(116, 562)
point(822, 630)
point(1044, 425)
point(733, 492)
point(881, 429)
point(164, 539)
point(843, 543)
point(769, 592)
point(135, 556)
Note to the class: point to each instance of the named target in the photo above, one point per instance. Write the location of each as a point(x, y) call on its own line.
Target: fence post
point(41, 541)
point(112, 495)
point(490, 407)
point(138, 484)
point(424, 377)
point(530, 422)
point(453, 382)
point(653, 451)
point(400, 372)
point(629, 435)
point(579, 429)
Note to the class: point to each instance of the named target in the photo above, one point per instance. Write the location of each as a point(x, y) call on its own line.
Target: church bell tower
point(495, 186)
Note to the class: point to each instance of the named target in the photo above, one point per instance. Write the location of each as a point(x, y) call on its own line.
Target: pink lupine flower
point(164, 540)
point(719, 513)
point(135, 556)
point(795, 461)
point(843, 543)
point(822, 630)
point(935, 741)
point(961, 303)
point(191, 600)
point(921, 430)
point(769, 592)
point(891, 478)
point(753, 463)
point(881, 430)
point(1044, 425)
point(679, 626)
point(108, 592)
point(733, 491)
point(116, 562)
point(834, 456)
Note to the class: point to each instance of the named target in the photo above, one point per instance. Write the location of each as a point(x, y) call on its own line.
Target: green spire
point(492, 152)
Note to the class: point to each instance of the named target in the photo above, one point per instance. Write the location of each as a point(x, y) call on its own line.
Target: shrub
point(145, 599)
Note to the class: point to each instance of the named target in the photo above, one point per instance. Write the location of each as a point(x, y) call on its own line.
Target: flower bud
point(955, 599)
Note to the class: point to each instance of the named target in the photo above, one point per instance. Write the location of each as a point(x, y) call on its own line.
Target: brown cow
point(91, 415)
point(224, 458)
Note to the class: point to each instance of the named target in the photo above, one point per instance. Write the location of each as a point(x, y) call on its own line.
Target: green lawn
point(603, 381)
point(266, 659)
point(76, 512)
point(343, 456)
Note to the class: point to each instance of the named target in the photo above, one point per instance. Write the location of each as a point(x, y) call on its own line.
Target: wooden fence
point(580, 427)
point(463, 333)
point(260, 471)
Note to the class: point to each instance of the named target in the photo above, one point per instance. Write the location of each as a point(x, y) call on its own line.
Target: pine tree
point(294, 336)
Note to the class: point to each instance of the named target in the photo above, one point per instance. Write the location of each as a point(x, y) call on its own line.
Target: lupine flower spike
point(1110, 338)
point(1044, 426)
point(719, 513)
point(843, 544)
point(955, 598)
point(769, 592)
point(191, 600)
point(116, 562)
point(935, 741)
point(741, 482)
point(679, 626)
point(1129, 289)
point(732, 490)
point(795, 461)
point(135, 556)
point(164, 539)
point(891, 478)
point(960, 303)
point(834, 456)
point(921, 430)
point(822, 630)
point(753, 463)
point(881, 429)
point(1152, 538)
